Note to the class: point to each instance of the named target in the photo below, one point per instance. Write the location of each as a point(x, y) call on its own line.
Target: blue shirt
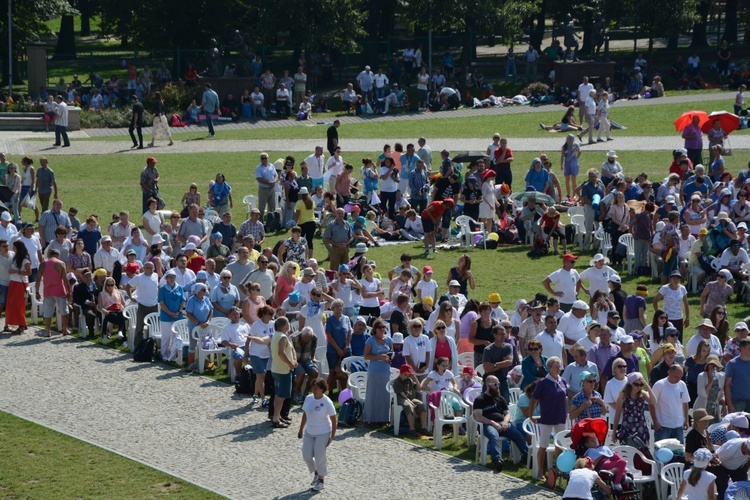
point(691, 187)
point(267, 173)
point(225, 300)
point(358, 344)
point(90, 240)
point(589, 190)
point(376, 349)
point(210, 101)
point(172, 298)
point(338, 330)
point(593, 411)
point(537, 179)
point(200, 309)
point(739, 372)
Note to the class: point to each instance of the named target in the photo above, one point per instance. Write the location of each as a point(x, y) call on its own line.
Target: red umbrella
point(686, 119)
point(729, 121)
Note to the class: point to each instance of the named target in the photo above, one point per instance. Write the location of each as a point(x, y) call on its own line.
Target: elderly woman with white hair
point(225, 296)
point(550, 394)
point(172, 300)
point(199, 311)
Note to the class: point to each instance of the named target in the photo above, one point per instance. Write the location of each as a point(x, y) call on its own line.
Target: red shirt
point(196, 263)
point(443, 350)
point(435, 210)
point(548, 222)
point(508, 154)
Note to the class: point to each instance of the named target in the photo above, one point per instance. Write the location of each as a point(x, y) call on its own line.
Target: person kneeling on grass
point(491, 410)
point(582, 480)
point(406, 388)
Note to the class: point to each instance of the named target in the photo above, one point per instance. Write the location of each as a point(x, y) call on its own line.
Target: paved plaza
point(199, 430)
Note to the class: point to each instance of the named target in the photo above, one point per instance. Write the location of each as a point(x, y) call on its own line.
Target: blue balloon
point(664, 455)
point(566, 461)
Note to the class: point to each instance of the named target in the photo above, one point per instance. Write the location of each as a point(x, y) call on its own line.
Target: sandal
point(279, 425)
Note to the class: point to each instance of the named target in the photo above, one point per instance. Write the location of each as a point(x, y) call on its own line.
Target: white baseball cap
point(6, 216)
point(579, 304)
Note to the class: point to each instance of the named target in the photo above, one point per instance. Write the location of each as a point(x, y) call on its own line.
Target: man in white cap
point(8, 230)
point(734, 456)
point(597, 275)
point(107, 256)
point(737, 380)
point(573, 325)
point(610, 168)
point(567, 282)
point(458, 300)
point(671, 413)
point(732, 349)
point(706, 332)
point(532, 326)
point(553, 343)
point(734, 259)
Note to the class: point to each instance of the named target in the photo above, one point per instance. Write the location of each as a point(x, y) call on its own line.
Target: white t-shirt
point(551, 346)
point(236, 333)
point(414, 225)
point(370, 287)
point(440, 382)
point(387, 185)
point(586, 343)
point(417, 348)
point(148, 288)
point(713, 342)
point(318, 413)
point(700, 490)
point(260, 329)
point(583, 91)
point(598, 278)
point(498, 313)
point(580, 483)
point(304, 289)
point(673, 301)
point(670, 398)
point(34, 246)
point(334, 166)
point(572, 328)
point(343, 292)
point(728, 259)
point(612, 390)
point(565, 281)
point(428, 288)
point(731, 455)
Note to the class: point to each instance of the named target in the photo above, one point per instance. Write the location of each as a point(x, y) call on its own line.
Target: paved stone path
point(197, 429)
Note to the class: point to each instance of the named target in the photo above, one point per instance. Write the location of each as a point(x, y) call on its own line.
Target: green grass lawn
point(642, 121)
point(41, 463)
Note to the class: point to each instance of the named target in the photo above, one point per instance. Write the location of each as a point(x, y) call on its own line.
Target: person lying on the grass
point(568, 122)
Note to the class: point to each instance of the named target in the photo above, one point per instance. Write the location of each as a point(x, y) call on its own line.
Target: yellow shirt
point(277, 364)
point(305, 214)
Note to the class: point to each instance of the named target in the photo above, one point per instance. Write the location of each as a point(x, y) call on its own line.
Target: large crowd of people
point(579, 348)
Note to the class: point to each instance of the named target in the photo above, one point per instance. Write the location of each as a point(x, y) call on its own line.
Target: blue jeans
point(667, 433)
point(493, 441)
point(209, 121)
point(510, 70)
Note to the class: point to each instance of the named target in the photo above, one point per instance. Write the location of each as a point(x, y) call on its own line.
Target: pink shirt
point(52, 280)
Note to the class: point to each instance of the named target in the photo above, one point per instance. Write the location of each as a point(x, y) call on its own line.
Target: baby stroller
point(599, 428)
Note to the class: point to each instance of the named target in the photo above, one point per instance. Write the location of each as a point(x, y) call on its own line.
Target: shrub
point(21, 107)
point(111, 118)
point(536, 89)
point(176, 98)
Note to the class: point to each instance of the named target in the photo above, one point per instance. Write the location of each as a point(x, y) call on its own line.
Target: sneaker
point(192, 366)
point(120, 335)
point(543, 127)
point(315, 479)
point(265, 402)
point(125, 344)
point(319, 485)
point(434, 250)
point(498, 465)
point(427, 253)
point(254, 400)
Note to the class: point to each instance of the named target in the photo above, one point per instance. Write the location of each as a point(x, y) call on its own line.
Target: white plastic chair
point(219, 322)
point(563, 440)
point(464, 225)
point(130, 312)
point(394, 373)
point(606, 242)
point(579, 224)
point(212, 215)
point(251, 201)
point(444, 415)
point(198, 333)
point(469, 397)
point(357, 382)
point(479, 370)
point(515, 394)
point(628, 454)
point(181, 331)
point(671, 478)
point(536, 442)
point(627, 240)
point(152, 327)
point(396, 409)
point(36, 305)
point(346, 362)
point(466, 359)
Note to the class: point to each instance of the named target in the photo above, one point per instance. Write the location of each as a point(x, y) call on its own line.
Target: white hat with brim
point(579, 304)
point(597, 257)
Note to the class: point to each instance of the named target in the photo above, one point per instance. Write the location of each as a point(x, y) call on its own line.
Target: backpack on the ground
point(144, 352)
point(538, 249)
point(177, 120)
point(273, 222)
point(246, 382)
point(570, 233)
point(350, 412)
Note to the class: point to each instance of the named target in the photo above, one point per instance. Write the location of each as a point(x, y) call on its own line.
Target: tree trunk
point(672, 42)
point(66, 39)
point(730, 29)
point(699, 28)
point(588, 21)
point(85, 24)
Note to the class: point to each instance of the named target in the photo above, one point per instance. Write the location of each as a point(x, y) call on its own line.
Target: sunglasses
point(533, 349)
point(590, 381)
point(621, 366)
point(226, 278)
point(638, 384)
point(262, 262)
point(438, 328)
point(380, 327)
point(313, 294)
point(494, 384)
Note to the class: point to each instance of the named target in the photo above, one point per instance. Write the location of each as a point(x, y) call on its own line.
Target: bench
point(35, 121)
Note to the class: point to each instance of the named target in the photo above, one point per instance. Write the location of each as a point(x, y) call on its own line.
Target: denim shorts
point(238, 353)
point(305, 366)
point(333, 359)
point(3, 294)
point(282, 384)
point(258, 364)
